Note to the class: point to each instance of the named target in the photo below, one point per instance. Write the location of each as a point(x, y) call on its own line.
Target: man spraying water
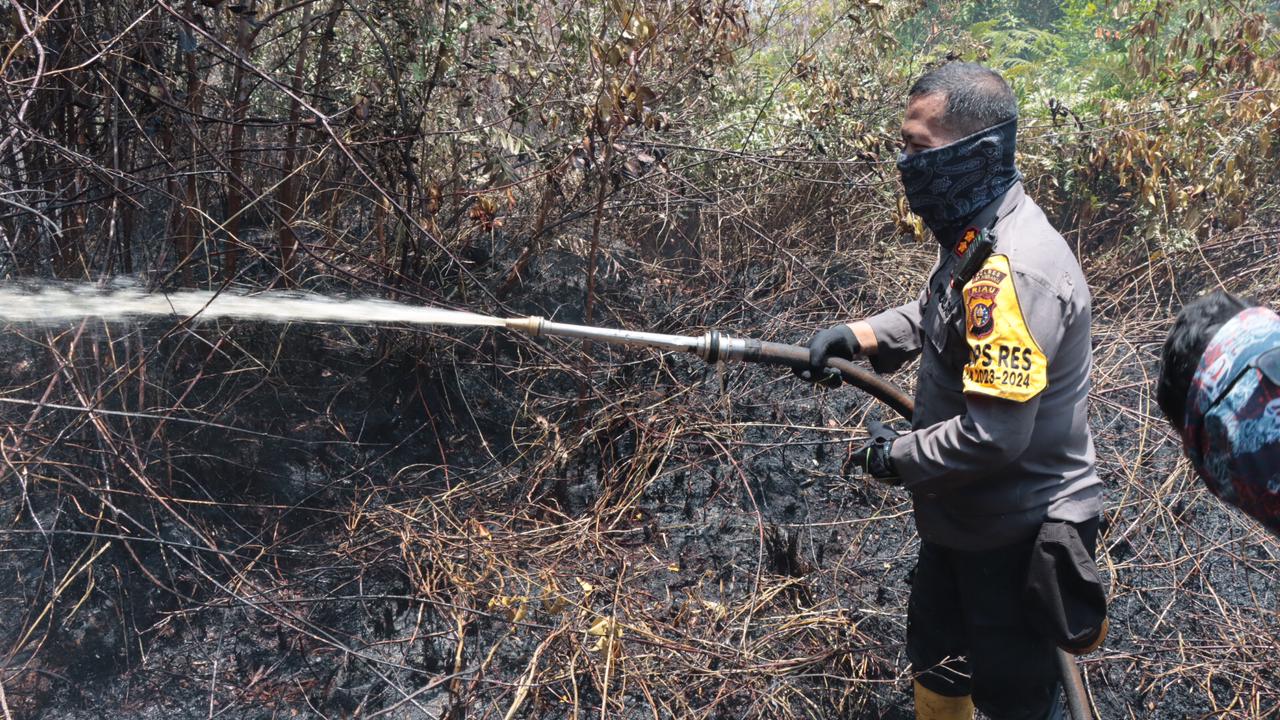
point(999, 461)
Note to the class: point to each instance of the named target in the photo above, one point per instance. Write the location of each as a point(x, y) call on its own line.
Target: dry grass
point(677, 542)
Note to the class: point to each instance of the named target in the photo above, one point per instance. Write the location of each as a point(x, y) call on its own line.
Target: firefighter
point(999, 455)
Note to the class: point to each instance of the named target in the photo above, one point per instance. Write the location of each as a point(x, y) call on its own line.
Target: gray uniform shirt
point(985, 471)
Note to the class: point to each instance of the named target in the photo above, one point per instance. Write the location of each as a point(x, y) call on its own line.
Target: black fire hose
point(797, 357)
point(715, 346)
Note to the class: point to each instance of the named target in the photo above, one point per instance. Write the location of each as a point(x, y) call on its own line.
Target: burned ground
point(240, 520)
point(385, 523)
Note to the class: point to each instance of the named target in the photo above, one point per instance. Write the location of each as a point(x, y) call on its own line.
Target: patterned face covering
point(1232, 431)
point(948, 185)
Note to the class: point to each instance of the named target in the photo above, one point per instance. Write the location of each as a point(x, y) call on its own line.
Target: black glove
point(836, 341)
point(873, 458)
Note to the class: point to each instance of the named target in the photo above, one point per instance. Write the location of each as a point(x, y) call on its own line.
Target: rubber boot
point(932, 706)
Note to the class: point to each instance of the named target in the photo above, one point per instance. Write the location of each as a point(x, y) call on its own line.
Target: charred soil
point(381, 523)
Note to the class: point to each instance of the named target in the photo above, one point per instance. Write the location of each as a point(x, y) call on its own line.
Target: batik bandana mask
point(948, 185)
point(1232, 431)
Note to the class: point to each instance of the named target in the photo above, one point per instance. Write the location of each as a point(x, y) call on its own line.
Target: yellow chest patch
point(1004, 359)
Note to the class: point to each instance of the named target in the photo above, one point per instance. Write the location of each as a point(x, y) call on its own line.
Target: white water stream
point(60, 303)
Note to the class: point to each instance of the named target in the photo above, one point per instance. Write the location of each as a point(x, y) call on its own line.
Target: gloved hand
point(873, 458)
point(835, 341)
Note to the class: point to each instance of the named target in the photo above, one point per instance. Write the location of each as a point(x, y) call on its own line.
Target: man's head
point(1220, 388)
point(952, 102)
point(959, 138)
point(1195, 326)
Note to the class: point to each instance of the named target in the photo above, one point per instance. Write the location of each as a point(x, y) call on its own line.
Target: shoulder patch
point(1004, 359)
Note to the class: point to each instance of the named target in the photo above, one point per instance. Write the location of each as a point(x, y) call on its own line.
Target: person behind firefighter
point(1219, 387)
point(999, 460)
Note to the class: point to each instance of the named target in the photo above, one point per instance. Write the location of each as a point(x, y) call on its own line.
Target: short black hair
point(1195, 326)
point(977, 97)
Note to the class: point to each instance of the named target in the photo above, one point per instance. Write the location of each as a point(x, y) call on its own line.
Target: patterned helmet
point(1232, 430)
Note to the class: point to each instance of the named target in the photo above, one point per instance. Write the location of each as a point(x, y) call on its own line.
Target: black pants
point(967, 635)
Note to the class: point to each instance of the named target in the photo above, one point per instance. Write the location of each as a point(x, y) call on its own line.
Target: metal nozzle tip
point(531, 325)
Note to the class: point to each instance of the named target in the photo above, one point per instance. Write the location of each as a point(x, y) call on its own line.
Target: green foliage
point(1155, 110)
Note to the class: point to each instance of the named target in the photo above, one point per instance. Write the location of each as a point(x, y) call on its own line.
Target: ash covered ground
point(353, 522)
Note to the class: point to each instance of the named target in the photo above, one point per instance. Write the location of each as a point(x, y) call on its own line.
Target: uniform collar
point(1010, 201)
point(1004, 205)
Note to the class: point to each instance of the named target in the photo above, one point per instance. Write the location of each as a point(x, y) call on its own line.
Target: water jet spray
point(61, 302)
